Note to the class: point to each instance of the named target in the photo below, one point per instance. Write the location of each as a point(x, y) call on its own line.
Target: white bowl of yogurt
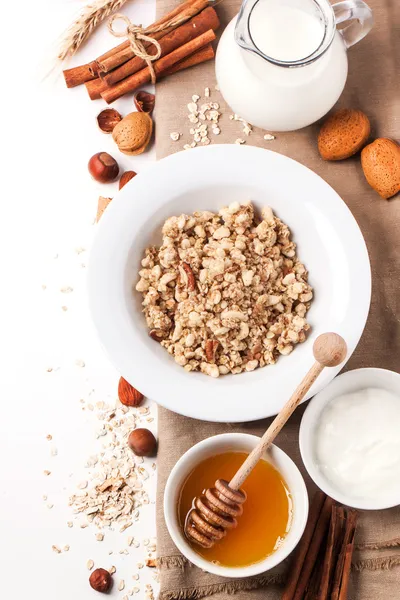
point(350, 439)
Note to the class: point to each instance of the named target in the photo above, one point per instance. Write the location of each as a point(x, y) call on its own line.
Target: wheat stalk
point(90, 17)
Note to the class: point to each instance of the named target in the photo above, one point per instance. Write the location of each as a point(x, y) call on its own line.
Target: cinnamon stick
point(97, 86)
point(202, 55)
point(329, 560)
point(83, 73)
point(134, 81)
point(315, 544)
point(346, 570)
point(303, 546)
point(185, 11)
point(205, 20)
point(349, 530)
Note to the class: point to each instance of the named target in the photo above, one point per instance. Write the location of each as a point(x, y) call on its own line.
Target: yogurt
point(357, 444)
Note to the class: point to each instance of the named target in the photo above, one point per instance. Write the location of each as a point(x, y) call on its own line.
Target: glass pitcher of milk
point(282, 64)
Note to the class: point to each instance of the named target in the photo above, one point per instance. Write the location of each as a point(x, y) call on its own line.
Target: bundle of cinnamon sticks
point(321, 564)
point(119, 71)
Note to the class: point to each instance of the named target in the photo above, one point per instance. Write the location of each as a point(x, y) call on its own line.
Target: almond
point(127, 394)
point(381, 165)
point(132, 135)
point(343, 134)
point(188, 277)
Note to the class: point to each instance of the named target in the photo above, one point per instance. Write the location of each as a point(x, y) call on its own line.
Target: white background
point(49, 203)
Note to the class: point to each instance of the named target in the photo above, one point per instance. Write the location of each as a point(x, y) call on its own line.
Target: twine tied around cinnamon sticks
point(136, 35)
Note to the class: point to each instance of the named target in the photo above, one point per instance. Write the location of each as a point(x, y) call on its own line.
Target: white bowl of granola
point(232, 297)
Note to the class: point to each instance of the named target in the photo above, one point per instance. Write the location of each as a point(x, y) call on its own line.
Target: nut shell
point(343, 134)
point(142, 442)
point(128, 395)
point(133, 134)
point(100, 580)
point(380, 162)
point(107, 119)
point(144, 102)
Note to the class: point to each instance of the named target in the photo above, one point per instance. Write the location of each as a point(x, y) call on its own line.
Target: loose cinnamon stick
point(303, 546)
point(202, 55)
point(97, 86)
point(346, 570)
point(186, 11)
point(134, 81)
point(329, 560)
point(350, 526)
point(315, 544)
point(199, 24)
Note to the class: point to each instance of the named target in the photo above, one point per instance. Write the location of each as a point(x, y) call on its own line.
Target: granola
point(225, 293)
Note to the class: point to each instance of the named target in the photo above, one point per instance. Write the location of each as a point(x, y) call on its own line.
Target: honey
point(267, 512)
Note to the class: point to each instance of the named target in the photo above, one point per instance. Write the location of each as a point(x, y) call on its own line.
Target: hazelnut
point(125, 177)
point(142, 442)
point(132, 135)
point(127, 394)
point(103, 167)
point(107, 119)
point(144, 102)
point(100, 580)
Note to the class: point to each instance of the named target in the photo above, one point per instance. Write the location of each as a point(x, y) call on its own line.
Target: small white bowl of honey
point(274, 514)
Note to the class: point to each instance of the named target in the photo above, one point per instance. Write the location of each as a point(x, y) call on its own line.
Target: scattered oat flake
point(192, 108)
point(240, 141)
point(90, 564)
point(47, 473)
point(140, 565)
point(136, 577)
point(80, 250)
point(187, 147)
point(130, 540)
point(64, 308)
point(67, 289)
point(99, 537)
point(49, 369)
point(269, 137)
point(44, 498)
point(66, 548)
point(56, 549)
point(207, 92)
point(136, 590)
point(195, 98)
point(50, 505)
point(53, 451)
point(174, 136)
point(82, 485)
point(121, 586)
point(70, 524)
point(79, 363)
point(112, 570)
point(44, 287)
point(49, 437)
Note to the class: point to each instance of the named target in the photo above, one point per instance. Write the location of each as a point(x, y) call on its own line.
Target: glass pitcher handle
point(361, 16)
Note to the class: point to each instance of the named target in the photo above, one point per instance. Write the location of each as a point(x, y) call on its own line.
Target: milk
point(285, 33)
point(281, 98)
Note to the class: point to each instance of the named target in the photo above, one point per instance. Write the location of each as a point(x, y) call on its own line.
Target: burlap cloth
point(373, 86)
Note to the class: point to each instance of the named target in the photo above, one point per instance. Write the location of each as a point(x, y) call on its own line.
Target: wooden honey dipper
point(218, 508)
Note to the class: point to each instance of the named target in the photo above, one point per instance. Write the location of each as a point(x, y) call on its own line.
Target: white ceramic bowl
point(349, 382)
point(240, 442)
point(329, 242)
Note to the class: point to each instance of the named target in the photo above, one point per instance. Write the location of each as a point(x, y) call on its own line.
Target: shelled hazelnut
point(100, 580)
point(142, 442)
